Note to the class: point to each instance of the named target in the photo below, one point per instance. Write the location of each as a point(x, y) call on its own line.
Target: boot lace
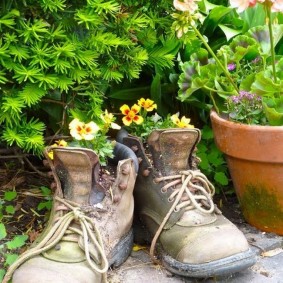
point(192, 190)
point(89, 233)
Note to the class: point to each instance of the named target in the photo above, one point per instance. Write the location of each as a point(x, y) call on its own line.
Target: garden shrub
point(59, 55)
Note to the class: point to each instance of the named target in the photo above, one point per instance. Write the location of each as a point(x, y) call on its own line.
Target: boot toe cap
point(42, 270)
point(213, 245)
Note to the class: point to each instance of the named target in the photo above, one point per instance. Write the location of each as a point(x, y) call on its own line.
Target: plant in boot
point(89, 229)
point(174, 201)
point(92, 135)
point(139, 123)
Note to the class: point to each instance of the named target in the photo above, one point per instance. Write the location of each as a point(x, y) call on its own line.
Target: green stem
point(215, 58)
point(214, 103)
point(268, 16)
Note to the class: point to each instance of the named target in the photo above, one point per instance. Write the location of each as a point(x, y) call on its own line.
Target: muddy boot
point(90, 224)
point(174, 202)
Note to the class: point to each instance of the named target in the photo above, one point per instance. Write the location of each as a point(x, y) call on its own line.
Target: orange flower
point(81, 131)
point(147, 104)
point(131, 114)
point(183, 123)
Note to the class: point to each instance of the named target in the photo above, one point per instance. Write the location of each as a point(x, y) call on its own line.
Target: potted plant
point(243, 80)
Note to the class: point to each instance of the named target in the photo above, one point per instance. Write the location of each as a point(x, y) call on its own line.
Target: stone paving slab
point(139, 268)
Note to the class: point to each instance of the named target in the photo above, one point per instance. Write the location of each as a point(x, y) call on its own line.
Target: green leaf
point(261, 34)
point(131, 93)
point(207, 133)
point(2, 273)
point(53, 5)
point(229, 32)
point(17, 242)
point(264, 84)
point(254, 16)
point(204, 164)
point(8, 19)
point(31, 94)
point(274, 110)
point(11, 136)
point(45, 191)
point(3, 232)
point(44, 204)
point(19, 52)
point(10, 209)
point(10, 258)
point(221, 178)
point(10, 195)
point(215, 16)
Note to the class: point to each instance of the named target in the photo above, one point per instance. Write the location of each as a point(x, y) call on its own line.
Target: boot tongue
point(78, 169)
point(171, 149)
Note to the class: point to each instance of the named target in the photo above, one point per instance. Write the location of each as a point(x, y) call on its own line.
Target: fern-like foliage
point(59, 57)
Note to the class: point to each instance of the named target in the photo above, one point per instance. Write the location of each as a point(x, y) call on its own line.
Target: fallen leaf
point(272, 252)
point(138, 247)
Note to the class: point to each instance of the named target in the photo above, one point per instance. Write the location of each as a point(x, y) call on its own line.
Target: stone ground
point(268, 268)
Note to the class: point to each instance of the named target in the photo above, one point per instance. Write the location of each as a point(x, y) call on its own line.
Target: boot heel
point(122, 250)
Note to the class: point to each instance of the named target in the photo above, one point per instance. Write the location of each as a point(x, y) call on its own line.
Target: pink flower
point(277, 6)
point(242, 5)
point(186, 5)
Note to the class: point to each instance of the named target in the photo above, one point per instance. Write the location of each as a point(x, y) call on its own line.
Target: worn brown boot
point(174, 202)
point(90, 223)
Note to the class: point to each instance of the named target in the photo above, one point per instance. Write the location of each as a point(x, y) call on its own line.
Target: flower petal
point(125, 109)
point(135, 108)
point(175, 119)
point(127, 121)
point(138, 119)
point(141, 102)
point(115, 126)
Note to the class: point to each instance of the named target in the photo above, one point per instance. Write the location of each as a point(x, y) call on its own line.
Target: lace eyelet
point(163, 191)
point(170, 199)
point(176, 209)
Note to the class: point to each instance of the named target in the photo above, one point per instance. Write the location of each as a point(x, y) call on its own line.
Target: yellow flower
point(81, 131)
point(183, 123)
point(147, 104)
point(61, 143)
point(51, 154)
point(108, 119)
point(131, 114)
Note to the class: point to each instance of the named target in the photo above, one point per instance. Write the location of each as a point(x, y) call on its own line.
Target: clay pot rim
point(222, 120)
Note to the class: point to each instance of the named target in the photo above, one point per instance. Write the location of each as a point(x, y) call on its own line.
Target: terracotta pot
point(255, 160)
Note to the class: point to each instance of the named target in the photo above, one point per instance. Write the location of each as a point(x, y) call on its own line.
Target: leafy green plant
point(212, 161)
point(10, 245)
point(61, 55)
point(46, 203)
point(213, 76)
point(7, 248)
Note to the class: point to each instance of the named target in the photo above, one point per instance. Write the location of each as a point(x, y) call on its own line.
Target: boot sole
point(225, 266)
point(122, 250)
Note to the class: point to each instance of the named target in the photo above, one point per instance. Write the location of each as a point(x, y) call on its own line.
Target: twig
point(14, 156)
point(35, 169)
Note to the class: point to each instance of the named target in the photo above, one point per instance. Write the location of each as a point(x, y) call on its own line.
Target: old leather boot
point(174, 202)
point(90, 224)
